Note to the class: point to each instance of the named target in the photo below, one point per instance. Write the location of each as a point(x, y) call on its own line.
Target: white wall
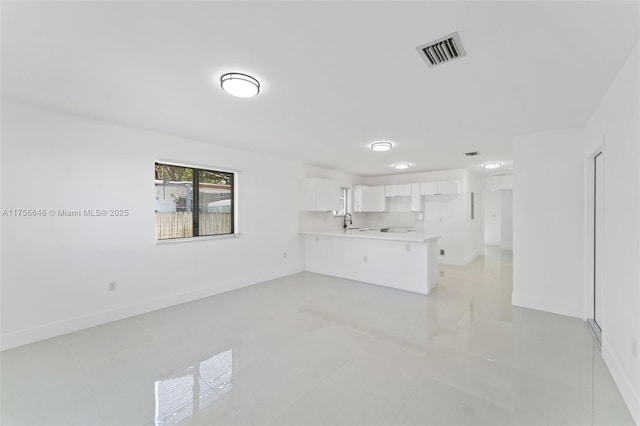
point(445, 215)
point(498, 218)
point(506, 219)
point(492, 218)
point(615, 127)
point(548, 203)
point(474, 241)
point(55, 270)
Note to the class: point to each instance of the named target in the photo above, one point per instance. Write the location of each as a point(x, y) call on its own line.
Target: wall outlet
point(408, 247)
point(442, 273)
point(441, 252)
point(634, 348)
point(284, 254)
point(112, 286)
point(366, 258)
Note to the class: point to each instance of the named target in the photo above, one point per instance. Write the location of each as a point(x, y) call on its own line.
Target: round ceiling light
point(492, 165)
point(401, 166)
point(240, 85)
point(381, 146)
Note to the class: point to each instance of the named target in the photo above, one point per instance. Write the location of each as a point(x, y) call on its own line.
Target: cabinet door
point(429, 188)
point(366, 199)
point(377, 199)
point(416, 198)
point(403, 190)
point(334, 196)
point(449, 187)
point(358, 198)
point(391, 190)
point(322, 195)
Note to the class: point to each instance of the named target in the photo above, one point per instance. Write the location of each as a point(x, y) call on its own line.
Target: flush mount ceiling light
point(381, 146)
point(493, 165)
point(401, 166)
point(240, 85)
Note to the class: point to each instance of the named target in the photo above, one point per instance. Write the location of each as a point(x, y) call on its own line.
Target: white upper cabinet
point(398, 190)
point(439, 188)
point(376, 201)
point(357, 198)
point(449, 187)
point(391, 190)
point(429, 188)
point(369, 199)
point(416, 198)
point(320, 195)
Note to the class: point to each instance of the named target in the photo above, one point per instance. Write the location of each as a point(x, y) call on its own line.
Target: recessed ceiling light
point(381, 146)
point(401, 165)
point(240, 85)
point(493, 165)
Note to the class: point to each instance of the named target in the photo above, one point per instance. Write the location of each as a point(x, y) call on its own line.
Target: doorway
point(596, 321)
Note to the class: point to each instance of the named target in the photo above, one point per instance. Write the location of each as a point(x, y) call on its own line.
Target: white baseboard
point(457, 261)
point(629, 394)
point(24, 337)
point(546, 305)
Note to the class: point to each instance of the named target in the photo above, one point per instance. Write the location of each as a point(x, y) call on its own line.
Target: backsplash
point(327, 222)
point(389, 219)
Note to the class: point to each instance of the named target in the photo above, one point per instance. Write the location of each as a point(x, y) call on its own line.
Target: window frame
point(347, 198)
point(195, 202)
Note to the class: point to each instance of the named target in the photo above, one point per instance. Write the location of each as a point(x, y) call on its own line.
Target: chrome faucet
point(344, 225)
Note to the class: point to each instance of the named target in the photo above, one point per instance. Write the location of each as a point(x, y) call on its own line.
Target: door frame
point(591, 241)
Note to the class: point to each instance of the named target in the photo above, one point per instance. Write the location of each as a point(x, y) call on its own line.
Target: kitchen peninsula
point(402, 260)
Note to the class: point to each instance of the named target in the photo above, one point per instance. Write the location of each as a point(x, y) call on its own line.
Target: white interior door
point(598, 210)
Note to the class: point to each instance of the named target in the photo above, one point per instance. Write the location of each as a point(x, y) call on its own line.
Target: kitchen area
point(391, 230)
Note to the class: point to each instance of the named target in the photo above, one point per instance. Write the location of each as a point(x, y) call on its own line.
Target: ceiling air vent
point(442, 50)
point(471, 154)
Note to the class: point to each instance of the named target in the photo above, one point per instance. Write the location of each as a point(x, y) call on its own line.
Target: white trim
point(194, 239)
point(588, 231)
point(23, 337)
point(545, 305)
point(629, 394)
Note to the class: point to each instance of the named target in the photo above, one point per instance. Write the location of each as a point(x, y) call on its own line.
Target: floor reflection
point(188, 391)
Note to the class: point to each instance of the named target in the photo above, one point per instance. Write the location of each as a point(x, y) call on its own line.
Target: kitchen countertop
point(412, 236)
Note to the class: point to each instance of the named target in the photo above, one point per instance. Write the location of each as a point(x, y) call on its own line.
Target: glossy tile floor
point(314, 350)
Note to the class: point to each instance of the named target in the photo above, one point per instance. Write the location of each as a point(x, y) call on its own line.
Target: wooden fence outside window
point(180, 224)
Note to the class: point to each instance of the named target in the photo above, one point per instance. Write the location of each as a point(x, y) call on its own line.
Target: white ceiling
point(336, 75)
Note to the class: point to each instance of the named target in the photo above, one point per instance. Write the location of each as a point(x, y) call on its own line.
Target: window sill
point(197, 239)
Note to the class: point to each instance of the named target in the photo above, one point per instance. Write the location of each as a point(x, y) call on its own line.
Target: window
point(180, 191)
point(344, 206)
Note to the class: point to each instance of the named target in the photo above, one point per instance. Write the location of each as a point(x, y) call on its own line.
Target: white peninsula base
point(393, 261)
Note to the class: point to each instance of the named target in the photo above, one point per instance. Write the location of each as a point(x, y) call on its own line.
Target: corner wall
point(553, 225)
point(548, 221)
point(615, 127)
